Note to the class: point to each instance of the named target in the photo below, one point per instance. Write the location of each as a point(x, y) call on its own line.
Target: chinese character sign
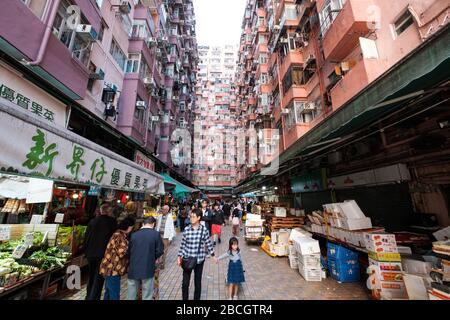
point(44, 153)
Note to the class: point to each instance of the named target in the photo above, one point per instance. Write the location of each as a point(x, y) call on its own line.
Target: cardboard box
point(415, 287)
point(385, 256)
point(299, 233)
point(381, 242)
point(280, 212)
point(305, 246)
point(357, 224)
point(351, 210)
point(283, 237)
point(393, 290)
point(390, 275)
point(415, 266)
point(386, 266)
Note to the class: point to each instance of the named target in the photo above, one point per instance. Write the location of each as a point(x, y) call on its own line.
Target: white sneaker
point(235, 297)
point(230, 298)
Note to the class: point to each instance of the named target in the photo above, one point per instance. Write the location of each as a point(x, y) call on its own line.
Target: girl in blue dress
point(235, 268)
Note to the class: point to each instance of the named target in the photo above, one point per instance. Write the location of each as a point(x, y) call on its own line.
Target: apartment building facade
point(215, 125)
point(306, 59)
point(122, 73)
point(354, 86)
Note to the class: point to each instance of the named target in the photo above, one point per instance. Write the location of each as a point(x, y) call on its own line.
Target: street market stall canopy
point(181, 190)
point(33, 147)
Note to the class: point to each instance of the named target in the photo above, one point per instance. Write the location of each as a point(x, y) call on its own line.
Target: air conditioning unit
point(99, 74)
point(161, 113)
point(285, 111)
point(86, 32)
point(125, 7)
point(141, 105)
point(172, 118)
point(155, 118)
point(300, 105)
point(148, 81)
point(164, 39)
point(276, 27)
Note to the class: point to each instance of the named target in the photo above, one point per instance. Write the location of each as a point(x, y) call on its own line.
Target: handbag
point(188, 264)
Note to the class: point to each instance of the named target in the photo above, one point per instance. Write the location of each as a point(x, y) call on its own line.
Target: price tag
point(59, 218)
point(19, 251)
point(36, 219)
point(29, 239)
point(5, 233)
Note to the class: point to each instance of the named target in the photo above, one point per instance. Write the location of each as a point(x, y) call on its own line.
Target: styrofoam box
point(280, 212)
point(357, 224)
point(310, 261)
point(310, 274)
point(292, 251)
point(281, 249)
point(274, 237)
point(306, 246)
point(415, 266)
point(351, 210)
point(283, 236)
point(300, 233)
point(293, 262)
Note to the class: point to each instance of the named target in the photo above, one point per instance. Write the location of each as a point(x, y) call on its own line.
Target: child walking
point(235, 268)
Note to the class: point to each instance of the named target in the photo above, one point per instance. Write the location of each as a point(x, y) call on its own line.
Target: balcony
point(343, 34)
point(23, 42)
point(363, 73)
point(293, 57)
point(295, 92)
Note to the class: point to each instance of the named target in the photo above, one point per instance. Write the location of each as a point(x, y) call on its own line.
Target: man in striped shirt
point(195, 236)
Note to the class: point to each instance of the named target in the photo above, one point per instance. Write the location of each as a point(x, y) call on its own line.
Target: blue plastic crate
point(343, 272)
point(338, 252)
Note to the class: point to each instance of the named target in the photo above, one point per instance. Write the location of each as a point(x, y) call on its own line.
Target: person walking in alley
point(206, 216)
point(226, 211)
point(217, 222)
point(115, 262)
point(167, 231)
point(98, 233)
point(195, 244)
point(235, 274)
point(236, 222)
point(145, 247)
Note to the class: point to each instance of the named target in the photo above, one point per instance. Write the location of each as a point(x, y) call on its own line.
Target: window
point(144, 70)
point(140, 29)
point(78, 46)
point(264, 78)
point(262, 38)
point(173, 30)
point(403, 22)
point(139, 112)
point(92, 68)
point(36, 6)
point(293, 77)
point(329, 12)
point(133, 63)
point(263, 58)
point(118, 54)
point(102, 32)
point(290, 12)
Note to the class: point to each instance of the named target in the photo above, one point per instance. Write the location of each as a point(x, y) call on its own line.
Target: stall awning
point(33, 147)
point(180, 189)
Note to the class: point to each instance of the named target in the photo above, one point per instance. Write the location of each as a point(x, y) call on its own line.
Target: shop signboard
point(29, 97)
point(144, 161)
point(309, 182)
point(52, 153)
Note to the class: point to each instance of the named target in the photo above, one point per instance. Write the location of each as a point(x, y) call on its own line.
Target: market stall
point(53, 178)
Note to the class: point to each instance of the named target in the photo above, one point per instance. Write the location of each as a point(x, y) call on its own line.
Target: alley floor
point(267, 278)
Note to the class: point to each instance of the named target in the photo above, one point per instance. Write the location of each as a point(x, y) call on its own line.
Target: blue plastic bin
point(344, 272)
point(338, 252)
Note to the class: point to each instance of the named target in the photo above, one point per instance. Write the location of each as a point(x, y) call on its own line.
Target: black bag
point(188, 264)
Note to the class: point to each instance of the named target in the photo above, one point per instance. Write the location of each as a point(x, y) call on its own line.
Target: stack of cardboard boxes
point(347, 215)
point(279, 242)
point(385, 262)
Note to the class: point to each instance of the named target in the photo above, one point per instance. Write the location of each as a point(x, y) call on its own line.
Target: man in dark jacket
point(226, 211)
point(98, 233)
point(145, 247)
point(206, 216)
